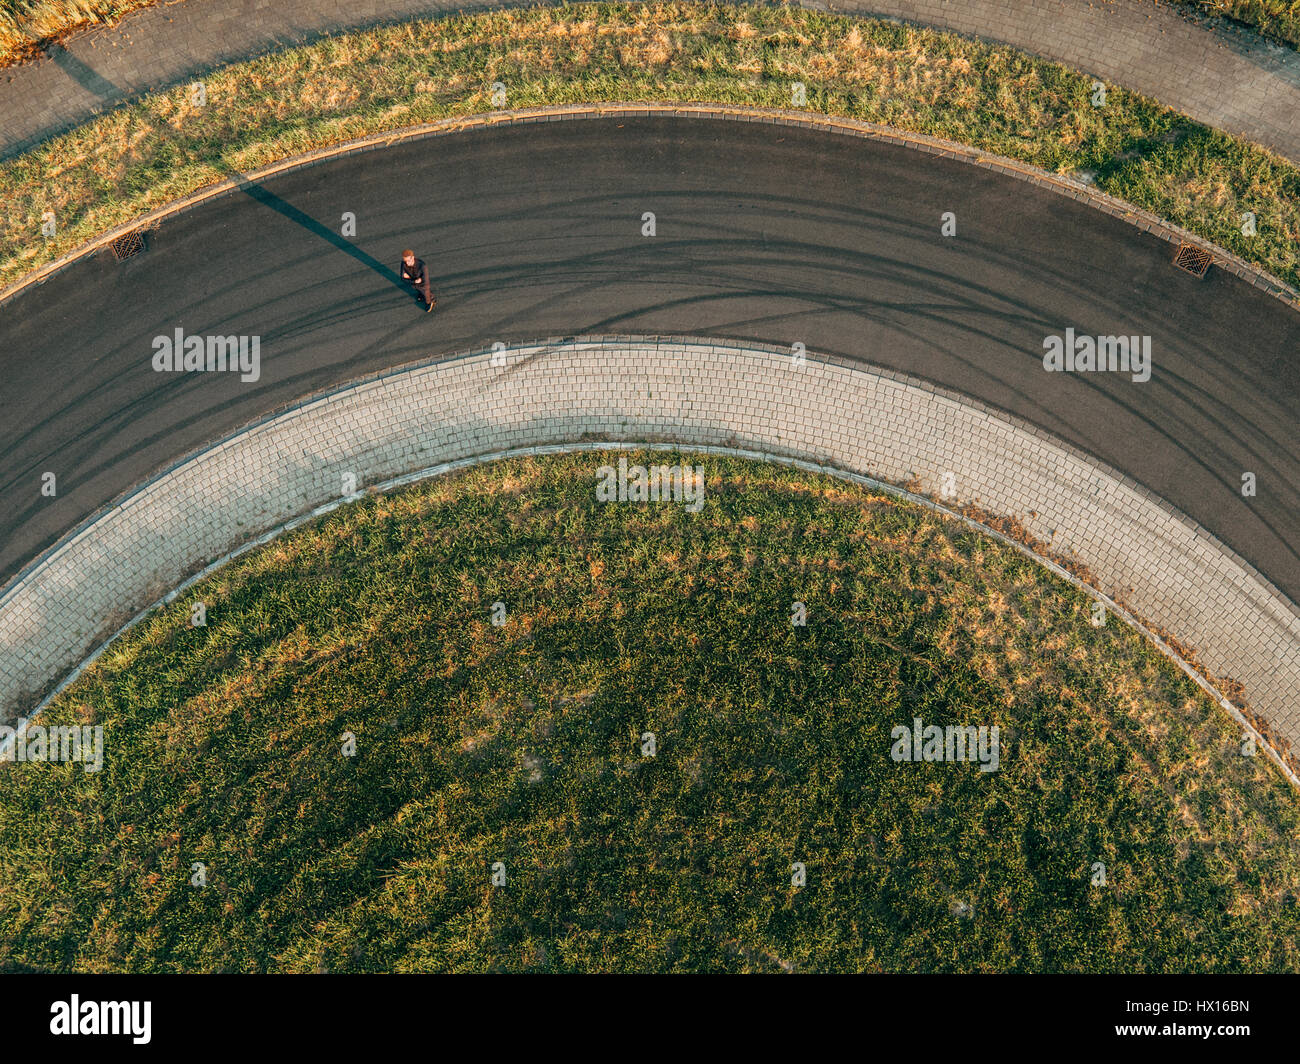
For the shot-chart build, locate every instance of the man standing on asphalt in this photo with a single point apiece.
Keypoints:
(413, 272)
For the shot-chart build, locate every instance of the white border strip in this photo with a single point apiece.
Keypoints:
(407, 479)
(705, 393)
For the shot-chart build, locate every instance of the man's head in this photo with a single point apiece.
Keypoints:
(408, 257)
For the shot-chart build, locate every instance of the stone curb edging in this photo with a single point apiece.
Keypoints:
(1117, 208)
(409, 479)
(832, 413)
(1150, 497)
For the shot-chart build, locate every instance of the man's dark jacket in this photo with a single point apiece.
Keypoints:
(415, 274)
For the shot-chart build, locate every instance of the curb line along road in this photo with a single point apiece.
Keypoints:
(1144, 220)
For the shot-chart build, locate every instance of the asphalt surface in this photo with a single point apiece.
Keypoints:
(769, 234)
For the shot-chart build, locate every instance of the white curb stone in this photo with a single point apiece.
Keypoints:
(688, 391)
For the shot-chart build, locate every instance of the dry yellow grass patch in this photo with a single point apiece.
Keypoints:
(328, 92)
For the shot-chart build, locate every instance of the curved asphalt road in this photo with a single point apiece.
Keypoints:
(767, 233)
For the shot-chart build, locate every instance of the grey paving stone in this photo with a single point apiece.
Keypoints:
(1143, 553)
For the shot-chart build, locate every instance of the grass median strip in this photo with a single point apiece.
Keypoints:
(143, 155)
(524, 743)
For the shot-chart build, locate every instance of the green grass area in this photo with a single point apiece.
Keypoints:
(522, 743)
(141, 156)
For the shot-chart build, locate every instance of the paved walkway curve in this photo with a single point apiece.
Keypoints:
(1235, 82)
(691, 391)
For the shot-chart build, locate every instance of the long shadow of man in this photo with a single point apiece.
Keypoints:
(300, 217)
